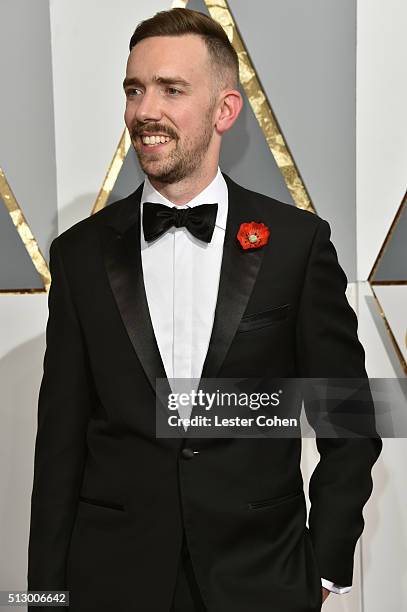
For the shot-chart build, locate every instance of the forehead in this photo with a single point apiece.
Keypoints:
(187, 55)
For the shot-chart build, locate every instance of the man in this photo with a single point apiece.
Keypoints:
(124, 519)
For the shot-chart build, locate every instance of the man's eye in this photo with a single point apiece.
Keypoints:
(131, 92)
(172, 90)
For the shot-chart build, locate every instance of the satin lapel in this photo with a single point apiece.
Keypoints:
(122, 257)
(238, 275)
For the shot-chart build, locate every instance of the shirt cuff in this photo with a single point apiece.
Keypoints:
(335, 588)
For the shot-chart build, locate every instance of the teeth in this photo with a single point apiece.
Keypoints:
(152, 140)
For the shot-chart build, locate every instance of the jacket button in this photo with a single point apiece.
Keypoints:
(187, 453)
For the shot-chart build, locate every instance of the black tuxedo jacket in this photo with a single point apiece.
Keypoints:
(110, 500)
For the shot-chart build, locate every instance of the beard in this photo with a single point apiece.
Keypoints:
(181, 161)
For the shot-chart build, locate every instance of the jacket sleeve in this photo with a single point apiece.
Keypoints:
(64, 402)
(328, 347)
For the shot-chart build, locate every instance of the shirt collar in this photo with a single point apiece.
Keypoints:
(216, 191)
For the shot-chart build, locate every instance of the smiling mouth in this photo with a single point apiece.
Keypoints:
(153, 142)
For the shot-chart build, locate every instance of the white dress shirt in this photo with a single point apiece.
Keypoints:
(181, 278)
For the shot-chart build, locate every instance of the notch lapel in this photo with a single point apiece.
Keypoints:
(122, 258)
(239, 270)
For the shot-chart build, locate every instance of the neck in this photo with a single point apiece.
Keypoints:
(185, 190)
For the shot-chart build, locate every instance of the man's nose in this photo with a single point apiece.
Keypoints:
(149, 107)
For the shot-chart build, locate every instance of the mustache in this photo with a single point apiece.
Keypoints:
(155, 128)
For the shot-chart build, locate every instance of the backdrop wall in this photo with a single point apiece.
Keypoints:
(333, 75)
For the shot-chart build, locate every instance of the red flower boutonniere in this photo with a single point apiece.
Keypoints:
(253, 235)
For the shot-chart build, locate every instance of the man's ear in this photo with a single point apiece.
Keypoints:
(228, 111)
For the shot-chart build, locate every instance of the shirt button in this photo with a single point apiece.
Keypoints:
(187, 453)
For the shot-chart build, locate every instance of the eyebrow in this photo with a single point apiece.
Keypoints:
(176, 80)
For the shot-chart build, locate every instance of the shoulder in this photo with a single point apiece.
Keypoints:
(273, 211)
(85, 231)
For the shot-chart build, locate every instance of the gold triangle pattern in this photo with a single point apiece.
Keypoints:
(113, 171)
(219, 10)
(27, 238)
(374, 283)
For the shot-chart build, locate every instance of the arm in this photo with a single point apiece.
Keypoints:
(63, 408)
(328, 347)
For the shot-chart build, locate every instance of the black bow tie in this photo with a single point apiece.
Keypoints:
(199, 220)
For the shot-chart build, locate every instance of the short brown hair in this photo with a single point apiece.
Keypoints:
(179, 21)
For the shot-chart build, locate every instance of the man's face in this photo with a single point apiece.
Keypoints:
(169, 92)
